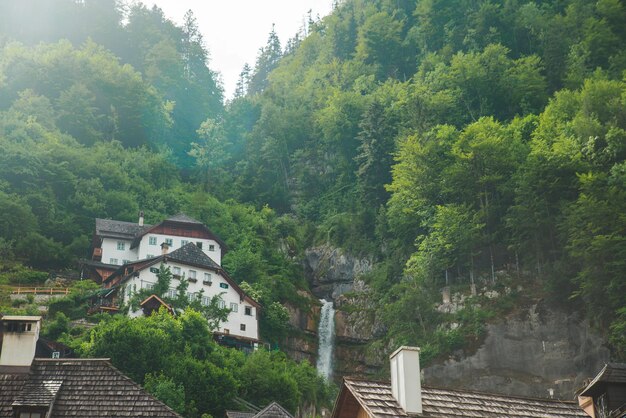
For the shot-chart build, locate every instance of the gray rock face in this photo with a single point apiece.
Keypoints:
(332, 273)
(527, 355)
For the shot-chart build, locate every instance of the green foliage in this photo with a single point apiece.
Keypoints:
(165, 390)
(191, 373)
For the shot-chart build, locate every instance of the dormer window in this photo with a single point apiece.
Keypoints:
(31, 414)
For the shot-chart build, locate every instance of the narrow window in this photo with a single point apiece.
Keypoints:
(248, 310)
(211, 247)
(205, 301)
(222, 304)
(234, 307)
(242, 327)
(207, 279)
(192, 274)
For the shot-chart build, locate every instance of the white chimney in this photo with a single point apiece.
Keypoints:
(141, 218)
(19, 340)
(406, 387)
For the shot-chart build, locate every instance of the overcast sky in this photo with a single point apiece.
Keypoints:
(234, 30)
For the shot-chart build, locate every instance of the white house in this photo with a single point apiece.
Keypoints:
(127, 257)
(116, 243)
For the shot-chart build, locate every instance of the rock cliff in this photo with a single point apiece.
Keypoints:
(528, 354)
(534, 352)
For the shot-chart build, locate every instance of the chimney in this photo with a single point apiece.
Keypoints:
(406, 387)
(141, 218)
(164, 248)
(19, 341)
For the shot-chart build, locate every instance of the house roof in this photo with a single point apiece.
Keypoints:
(189, 254)
(239, 414)
(181, 217)
(377, 400)
(273, 410)
(119, 229)
(78, 388)
(610, 373)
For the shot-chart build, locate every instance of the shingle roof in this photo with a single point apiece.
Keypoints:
(239, 414)
(119, 229)
(79, 388)
(10, 388)
(376, 398)
(191, 254)
(610, 373)
(181, 217)
(273, 410)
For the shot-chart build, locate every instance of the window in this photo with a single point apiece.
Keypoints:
(152, 241)
(30, 415)
(171, 293)
(211, 247)
(113, 261)
(125, 261)
(150, 255)
(242, 327)
(184, 242)
(248, 310)
(121, 245)
(234, 307)
(226, 331)
(199, 244)
(222, 304)
(154, 270)
(149, 286)
(207, 279)
(169, 241)
(223, 285)
(176, 271)
(191, 296)
(192, 274)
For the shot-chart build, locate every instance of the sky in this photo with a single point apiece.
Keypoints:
(234, 30)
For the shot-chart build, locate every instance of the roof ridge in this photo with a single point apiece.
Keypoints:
(475, 392)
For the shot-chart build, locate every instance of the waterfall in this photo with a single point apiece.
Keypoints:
(326, 339)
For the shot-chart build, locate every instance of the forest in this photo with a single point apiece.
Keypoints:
(455, 143)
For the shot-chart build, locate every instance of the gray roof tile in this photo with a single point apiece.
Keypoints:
(119, 229)
(84, 388)
(377, 398)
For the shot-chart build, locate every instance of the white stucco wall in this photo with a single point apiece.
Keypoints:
(110, 251)
(146, 279)
(145, 249)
